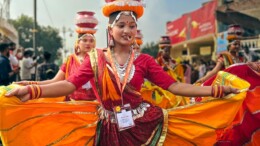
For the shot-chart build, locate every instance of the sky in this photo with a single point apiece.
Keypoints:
(62, 13)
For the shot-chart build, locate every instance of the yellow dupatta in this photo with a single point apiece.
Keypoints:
(197, 124)
(159, 97)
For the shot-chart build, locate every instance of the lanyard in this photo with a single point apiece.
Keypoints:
(128, 68)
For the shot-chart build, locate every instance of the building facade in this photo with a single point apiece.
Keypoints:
(7, 32)
(194, 35)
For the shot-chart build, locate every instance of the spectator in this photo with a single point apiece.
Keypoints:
(13, 59)
(187, 73)
(202, 68)
(33, 69)
(6, 72)
(211, 65)
(194, 73)
(48, 69)
(27, 65)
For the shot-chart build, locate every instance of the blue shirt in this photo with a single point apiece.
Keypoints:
(5, 69)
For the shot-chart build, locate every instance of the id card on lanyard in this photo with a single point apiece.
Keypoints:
(124, 117)
(123, 113)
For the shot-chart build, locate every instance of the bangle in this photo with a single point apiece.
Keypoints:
(217, 91)
(213, 91)
(222, 93)
(32, 82)
(35, 91)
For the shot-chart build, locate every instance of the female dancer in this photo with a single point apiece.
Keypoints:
(125, 118)
(228, 57)
(85, 27)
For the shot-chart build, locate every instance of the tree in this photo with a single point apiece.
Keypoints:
(24, 25)
(47, 37)
(151, 49)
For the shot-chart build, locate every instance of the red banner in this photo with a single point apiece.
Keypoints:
(192, 25)
(177, 30)
(202, 21)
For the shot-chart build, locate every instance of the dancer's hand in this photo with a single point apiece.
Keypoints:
(219, 91)
(229, 90)
(20, 92)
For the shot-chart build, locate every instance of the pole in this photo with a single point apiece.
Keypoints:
(34, 25)
(64, 42)
(64, 37)
(34, 35)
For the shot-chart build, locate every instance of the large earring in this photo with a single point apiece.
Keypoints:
(111, 43)
(135, 45)
(78, 50)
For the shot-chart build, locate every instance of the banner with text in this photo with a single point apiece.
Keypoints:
(203, 20)
(194, 24)
(177, 30)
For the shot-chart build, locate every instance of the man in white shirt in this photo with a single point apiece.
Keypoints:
(27, 65)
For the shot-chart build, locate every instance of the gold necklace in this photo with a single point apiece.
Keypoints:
(81, 59)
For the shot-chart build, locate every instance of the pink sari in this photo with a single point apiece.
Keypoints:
(69, 68)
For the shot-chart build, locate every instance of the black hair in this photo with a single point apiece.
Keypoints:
(81, 34)
(3, 47)
(47, 55)
(113, 15)
(12, 44)
(27, 53)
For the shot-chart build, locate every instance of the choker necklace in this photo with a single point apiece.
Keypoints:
(121, 69)
(81, 59)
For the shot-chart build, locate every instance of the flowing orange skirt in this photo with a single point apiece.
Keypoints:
(74, 123)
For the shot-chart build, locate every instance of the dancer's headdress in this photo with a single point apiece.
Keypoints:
(86, 22)
(113, 6)
(235, 32)
(164, 42)
(85, 25)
